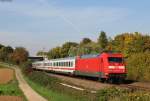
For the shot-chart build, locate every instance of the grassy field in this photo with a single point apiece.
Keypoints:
(11, 88)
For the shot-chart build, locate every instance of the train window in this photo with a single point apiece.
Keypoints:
(63, 63)
(115, 59)
(69, 64)
(49, 64)
(66, 64)
(57, 64)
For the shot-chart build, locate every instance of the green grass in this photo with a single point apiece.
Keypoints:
(11, 88)
(48, 94)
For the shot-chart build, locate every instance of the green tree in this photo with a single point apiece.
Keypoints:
(102, 40)
(41, 53)
(73, 51)
(54, 53)
(1, 46)
(138, 66)
(66, 47)
(85, 41)
(5, 52)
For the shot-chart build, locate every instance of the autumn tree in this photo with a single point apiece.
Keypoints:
(19, 55)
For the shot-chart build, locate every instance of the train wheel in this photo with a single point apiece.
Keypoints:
(110, 80)
(103, 80)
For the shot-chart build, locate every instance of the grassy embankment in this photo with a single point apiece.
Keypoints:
(11, 88)
(50, 89)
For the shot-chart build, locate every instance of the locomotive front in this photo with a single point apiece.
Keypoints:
(114, 67)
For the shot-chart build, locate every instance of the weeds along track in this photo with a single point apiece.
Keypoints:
(134, 87)
(88, 83)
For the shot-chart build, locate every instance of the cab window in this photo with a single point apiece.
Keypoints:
(115, 59)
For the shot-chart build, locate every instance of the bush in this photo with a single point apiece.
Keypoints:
(139, 66)
(26, 67)
(110, 93)
(118, 94)
(43, 79)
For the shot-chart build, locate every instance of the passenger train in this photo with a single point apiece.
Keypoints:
(105, 66)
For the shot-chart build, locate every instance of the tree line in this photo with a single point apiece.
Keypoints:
(126, 43)
(11, 55)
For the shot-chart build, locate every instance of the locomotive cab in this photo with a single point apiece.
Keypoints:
(114, 67)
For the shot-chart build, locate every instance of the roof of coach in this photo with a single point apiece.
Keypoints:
(67, 58)
(90, 56)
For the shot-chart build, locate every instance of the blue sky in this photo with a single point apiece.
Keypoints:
(39, 24)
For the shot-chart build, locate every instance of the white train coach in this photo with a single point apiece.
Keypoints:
(57, 65)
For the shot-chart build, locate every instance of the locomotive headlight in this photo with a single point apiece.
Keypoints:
(111, 67)
(121, 67)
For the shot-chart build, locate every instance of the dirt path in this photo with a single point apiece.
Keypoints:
(30, 94)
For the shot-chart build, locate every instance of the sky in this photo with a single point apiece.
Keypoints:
(44, 24)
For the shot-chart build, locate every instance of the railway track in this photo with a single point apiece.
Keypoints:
(96, 85)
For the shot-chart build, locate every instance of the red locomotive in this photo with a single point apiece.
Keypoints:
(105, 66)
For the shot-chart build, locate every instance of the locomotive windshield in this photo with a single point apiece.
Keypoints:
(115, 59)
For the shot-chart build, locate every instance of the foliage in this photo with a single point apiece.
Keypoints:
(41, 53)
(26, 67)
(5, 53)
(65, 48)
(42, 79)
(102, 40)
(118, 94)
(129, 43)
(19, 55)
(54, 53)
(85, 41)
(10, 55)
(139, 66)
